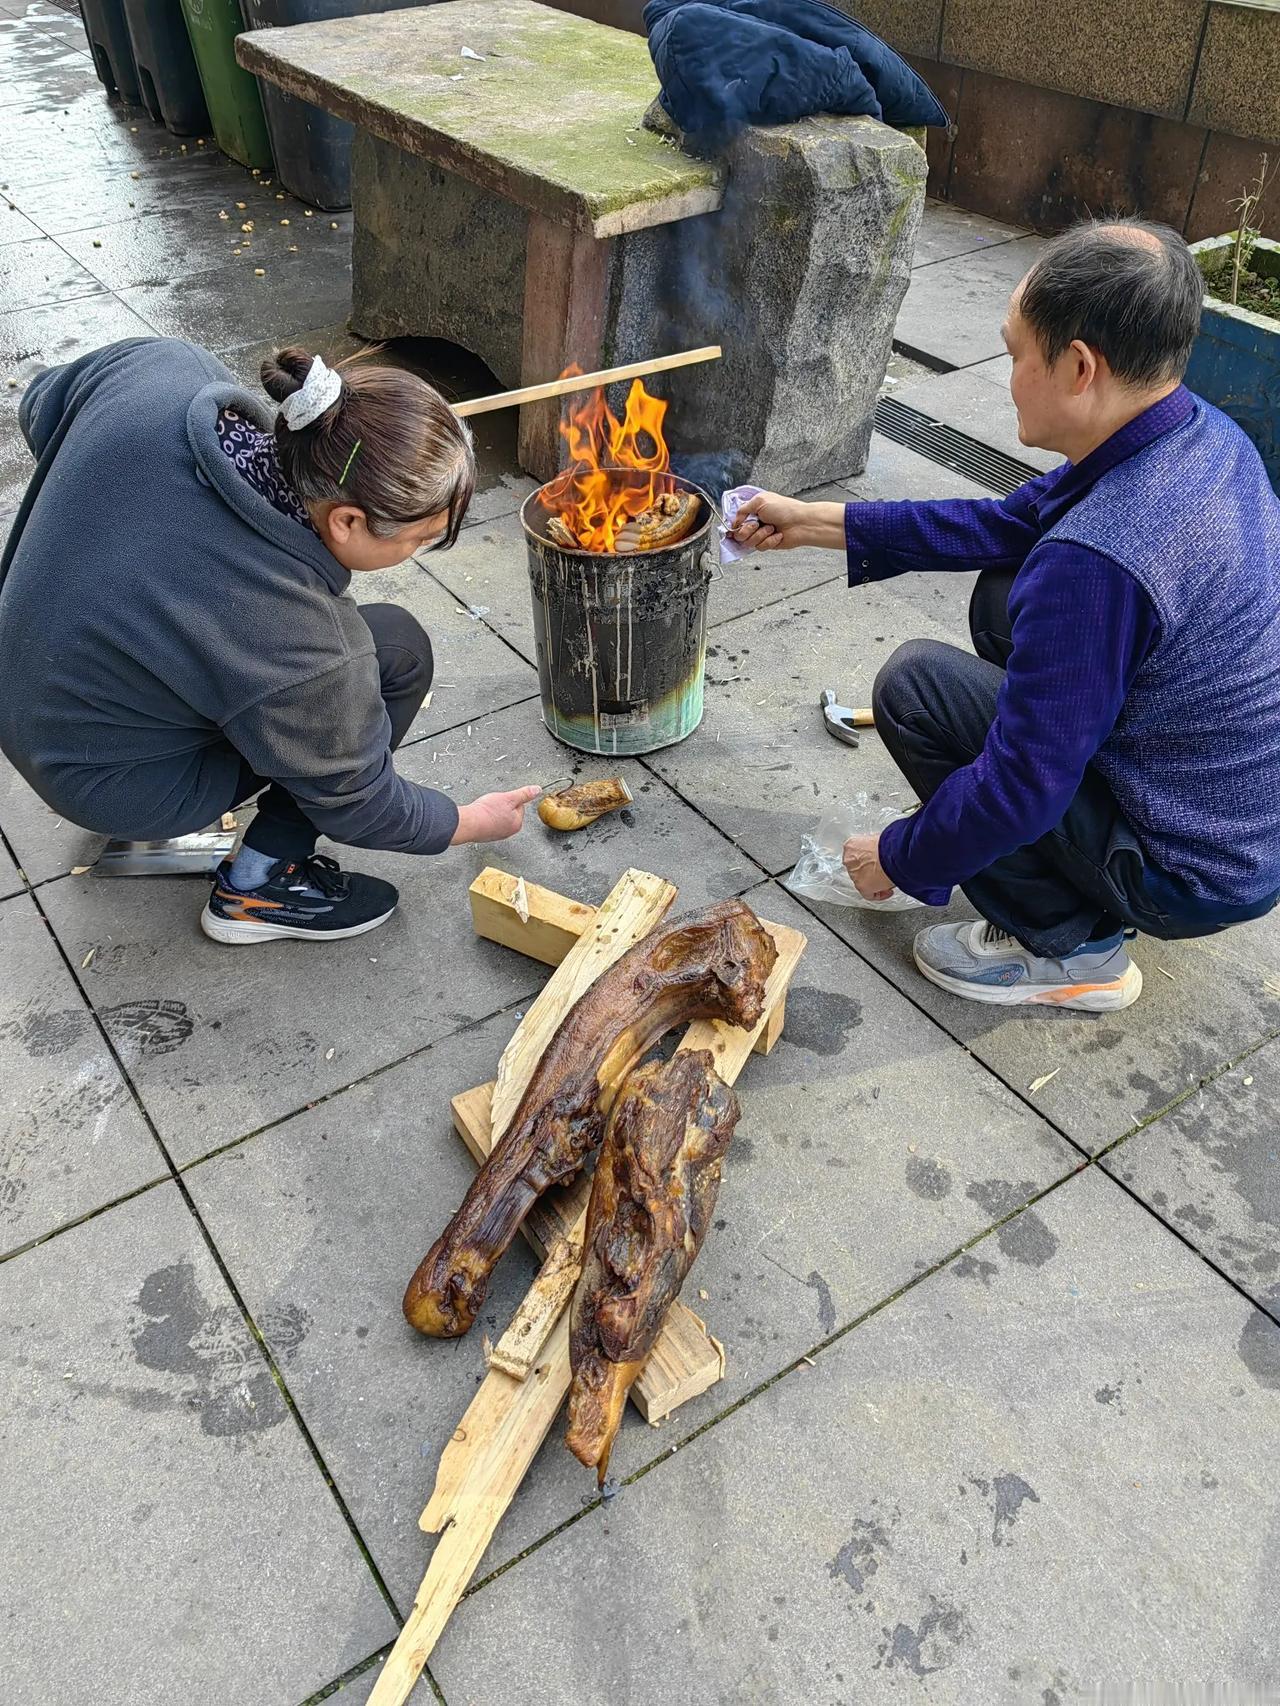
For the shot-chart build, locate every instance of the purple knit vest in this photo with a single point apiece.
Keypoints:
(1194, 758)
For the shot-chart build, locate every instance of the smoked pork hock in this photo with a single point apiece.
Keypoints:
(652, 1198)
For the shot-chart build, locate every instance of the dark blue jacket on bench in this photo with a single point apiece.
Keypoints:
(725, 64)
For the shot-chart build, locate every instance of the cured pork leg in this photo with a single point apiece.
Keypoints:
(705, 965)
(652, 1198)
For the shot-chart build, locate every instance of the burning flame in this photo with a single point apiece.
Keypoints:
(594, 502)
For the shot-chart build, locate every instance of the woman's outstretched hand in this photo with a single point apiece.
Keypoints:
(493, 817)
(774, 523)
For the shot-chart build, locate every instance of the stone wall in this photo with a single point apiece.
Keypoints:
(1161, 107)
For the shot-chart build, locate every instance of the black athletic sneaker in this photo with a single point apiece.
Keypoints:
(312, 899)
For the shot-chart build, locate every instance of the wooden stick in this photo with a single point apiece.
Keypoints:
(585, 381)
(483, 1464)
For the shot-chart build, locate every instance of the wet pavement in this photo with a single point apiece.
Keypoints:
(1000, 1292)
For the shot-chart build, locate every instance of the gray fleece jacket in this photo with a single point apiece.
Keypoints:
(160, 621)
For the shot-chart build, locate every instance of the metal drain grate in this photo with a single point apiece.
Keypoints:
(67, 6)
(951, 449)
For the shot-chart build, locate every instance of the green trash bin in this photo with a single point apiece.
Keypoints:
(231, 94)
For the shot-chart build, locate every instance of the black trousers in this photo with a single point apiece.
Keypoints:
(1081, 882)
(281, 829)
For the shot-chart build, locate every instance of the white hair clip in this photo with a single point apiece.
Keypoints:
(320, 391)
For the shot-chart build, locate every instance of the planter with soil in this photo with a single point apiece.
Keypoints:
(1235, 361)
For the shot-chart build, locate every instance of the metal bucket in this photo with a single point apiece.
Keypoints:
(621, 640)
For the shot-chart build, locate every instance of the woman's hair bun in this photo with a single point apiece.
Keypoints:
(284, 372)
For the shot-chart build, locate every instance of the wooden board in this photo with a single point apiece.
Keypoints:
(483, 1464)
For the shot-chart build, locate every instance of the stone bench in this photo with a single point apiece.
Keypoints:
(516, 204)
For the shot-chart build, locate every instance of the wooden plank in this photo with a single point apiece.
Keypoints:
(486, 1460)
(566, 298)
(635, 904)
(552, 927)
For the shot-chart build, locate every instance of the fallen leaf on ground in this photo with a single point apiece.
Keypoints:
(79, 870)
(1039, 1083)
(87, 961)
(328, 1054)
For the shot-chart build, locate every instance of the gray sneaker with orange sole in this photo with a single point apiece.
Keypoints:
(982, 963)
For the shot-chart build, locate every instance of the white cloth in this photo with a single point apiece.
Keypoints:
(730, 503)
(320, 391)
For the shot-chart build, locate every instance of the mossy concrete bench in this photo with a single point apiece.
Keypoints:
(516, 204)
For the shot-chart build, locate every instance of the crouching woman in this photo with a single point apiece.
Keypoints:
(175, 632)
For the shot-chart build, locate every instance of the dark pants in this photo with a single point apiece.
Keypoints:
(1081, 882)
(281, 829)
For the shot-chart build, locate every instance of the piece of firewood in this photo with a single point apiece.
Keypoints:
(483, 1464)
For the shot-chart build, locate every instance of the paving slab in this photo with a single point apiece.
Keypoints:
(215, 308)
(761, 767)
(170, 1536)
(894, 474)
(1211, 1168)
(848, 1109)
(1002, 1488)
(954, 309)
(947, 232)
(73, 1139)
(168, 248)
(10, 876)
(15, 227)
(1203, 1004)
(219, 1043)
(972, 404)
(39, 142)
(44, 844)
(200, 179)
(475, 671)
(35, 338)
(998, 370)
(39, 271)
(53, 84)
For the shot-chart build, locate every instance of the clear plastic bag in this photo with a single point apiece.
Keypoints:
(819, 873)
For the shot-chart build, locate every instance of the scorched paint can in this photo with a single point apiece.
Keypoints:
(621, 640)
